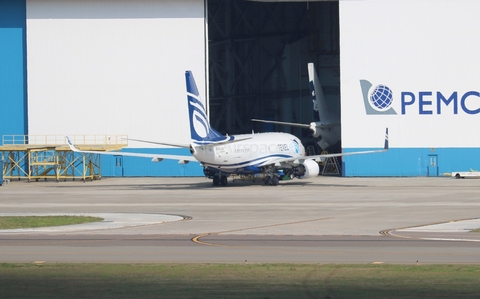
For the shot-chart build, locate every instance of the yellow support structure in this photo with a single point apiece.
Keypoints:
(38, 157)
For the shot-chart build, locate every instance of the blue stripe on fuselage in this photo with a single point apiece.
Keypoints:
(244, 164)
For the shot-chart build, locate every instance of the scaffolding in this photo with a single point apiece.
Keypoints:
(36, 157)
(330, 166)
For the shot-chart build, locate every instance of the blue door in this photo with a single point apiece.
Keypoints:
(432, 169)
(118, 166)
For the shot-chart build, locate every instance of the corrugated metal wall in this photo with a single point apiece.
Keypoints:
(13, 98)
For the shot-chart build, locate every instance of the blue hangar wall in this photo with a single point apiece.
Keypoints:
(416, 73)
(13, 96)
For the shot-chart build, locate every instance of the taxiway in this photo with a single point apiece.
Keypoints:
(325, 220)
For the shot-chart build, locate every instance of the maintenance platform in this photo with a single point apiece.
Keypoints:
(48, 156)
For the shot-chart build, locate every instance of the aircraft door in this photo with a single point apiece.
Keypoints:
(432, 168)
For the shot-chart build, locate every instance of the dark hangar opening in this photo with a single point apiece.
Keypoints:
(258, 55)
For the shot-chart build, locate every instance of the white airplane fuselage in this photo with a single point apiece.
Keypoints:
(250, 153)
(275, 155)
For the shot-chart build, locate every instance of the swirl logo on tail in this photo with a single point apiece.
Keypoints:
(200, 129)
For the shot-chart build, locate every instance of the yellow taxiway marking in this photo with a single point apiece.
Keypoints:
(389, 232)
(196, 239)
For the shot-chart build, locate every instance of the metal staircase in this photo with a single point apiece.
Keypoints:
(330, 166)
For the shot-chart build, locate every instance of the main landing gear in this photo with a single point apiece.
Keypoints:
(271, 180)
(219, 179)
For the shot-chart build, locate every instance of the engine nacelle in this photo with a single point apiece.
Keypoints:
(307, 169)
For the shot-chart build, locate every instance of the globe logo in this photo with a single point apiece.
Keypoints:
(381, 98)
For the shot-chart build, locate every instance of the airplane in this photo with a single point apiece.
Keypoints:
(246, 154)
(326, 124)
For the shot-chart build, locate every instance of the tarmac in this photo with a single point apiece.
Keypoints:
(189, 220)
(454, 230)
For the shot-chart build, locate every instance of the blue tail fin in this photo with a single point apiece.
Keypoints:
(200, 129)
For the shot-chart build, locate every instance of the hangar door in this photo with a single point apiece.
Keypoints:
(113, 66)
(116, 67)
(258, 56)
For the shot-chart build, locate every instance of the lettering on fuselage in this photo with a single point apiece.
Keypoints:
(239, 148)
(260, 148)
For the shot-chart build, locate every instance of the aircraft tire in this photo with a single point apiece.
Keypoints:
(223, 180)
(275, 181)
(216, 180)
(267, 180)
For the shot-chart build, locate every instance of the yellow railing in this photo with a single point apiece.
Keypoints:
(61, 139)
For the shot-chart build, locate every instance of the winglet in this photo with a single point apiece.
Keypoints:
(70, 144)
(386, 139)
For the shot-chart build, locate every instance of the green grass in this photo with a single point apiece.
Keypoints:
(13, 222)
(238, 281)
(475, 230)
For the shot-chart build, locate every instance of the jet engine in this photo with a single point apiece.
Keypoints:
(307, 169)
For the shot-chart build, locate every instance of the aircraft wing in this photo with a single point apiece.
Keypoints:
(320, 157)
(154, 157)
(161, 143)
(298, 160)
(229, 141)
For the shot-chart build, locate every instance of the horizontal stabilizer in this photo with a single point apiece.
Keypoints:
(282, 123)
(321, 125)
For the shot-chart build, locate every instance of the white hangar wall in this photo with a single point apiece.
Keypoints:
(116, 67)
(426, 53)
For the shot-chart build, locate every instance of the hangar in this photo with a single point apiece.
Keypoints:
(116, 67)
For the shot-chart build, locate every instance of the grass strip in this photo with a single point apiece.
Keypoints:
(260, 281)
(14, 222)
